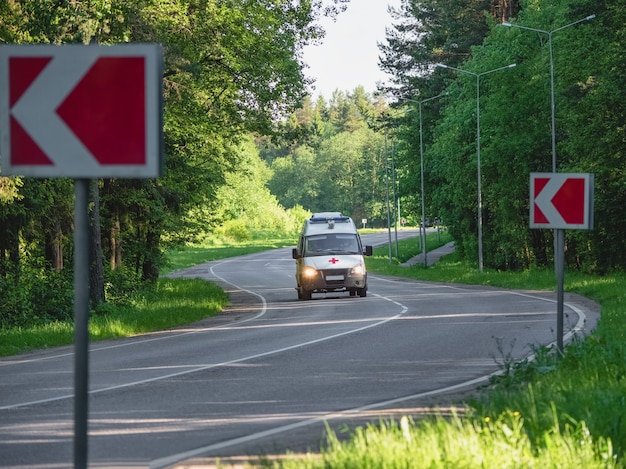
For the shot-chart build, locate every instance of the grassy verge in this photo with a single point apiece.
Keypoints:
(463, 443)
(174, 302)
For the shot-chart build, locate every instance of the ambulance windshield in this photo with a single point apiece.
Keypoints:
(324, 244)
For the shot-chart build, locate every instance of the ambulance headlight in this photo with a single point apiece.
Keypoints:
(309, 272)
(358, 270)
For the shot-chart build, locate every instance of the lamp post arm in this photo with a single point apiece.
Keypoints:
(423, 100)
(552, 100)
(474, 73)
(587, 18)
(511, 25)
(454, 68)
(496, 69)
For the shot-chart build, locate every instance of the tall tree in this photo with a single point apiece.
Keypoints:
(426, 32)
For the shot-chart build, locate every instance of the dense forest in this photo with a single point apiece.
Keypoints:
(232, 71)
(247, 150)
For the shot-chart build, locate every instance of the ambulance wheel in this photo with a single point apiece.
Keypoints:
(362, 292)
(353, 292)
(304, 294)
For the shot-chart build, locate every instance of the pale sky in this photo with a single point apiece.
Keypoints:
(348, 56)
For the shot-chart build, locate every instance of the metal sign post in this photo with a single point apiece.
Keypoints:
(560, 201)
(81, 320)
(559, 262)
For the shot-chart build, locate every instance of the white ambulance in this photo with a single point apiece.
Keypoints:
(329, 257)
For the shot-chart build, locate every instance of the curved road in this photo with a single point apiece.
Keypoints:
(265, 375)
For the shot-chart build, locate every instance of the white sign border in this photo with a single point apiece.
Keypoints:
(561, 178)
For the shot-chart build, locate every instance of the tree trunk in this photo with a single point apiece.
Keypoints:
(53, 247)
(504, 10)
(10, 248)
(116, 243)
(56, 247)
(150, 266)
(96, 271)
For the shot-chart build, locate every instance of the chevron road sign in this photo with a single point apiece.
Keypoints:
(81, 111)
(561, 200)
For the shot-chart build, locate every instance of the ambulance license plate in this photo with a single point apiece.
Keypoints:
(334, 277)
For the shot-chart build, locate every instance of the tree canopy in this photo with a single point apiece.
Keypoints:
(515, 123)
(232, 68)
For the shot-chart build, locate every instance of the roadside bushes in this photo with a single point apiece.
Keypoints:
(33, 295)
(267, 223)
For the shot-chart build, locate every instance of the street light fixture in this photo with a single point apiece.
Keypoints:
(423, 228)
(549, 33)
(480, 201)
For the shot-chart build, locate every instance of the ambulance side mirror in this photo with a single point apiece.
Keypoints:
(295, 254)
(368, 250)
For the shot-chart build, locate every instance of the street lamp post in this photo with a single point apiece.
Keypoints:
(480, 201)
(549, 33)
(396, 195)
(423, 228)
(559, 234)
(387, 187)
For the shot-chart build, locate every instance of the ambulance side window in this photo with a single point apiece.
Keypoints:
(313, 245)
(348, 243)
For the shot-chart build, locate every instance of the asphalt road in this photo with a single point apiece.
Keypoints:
(264, 376)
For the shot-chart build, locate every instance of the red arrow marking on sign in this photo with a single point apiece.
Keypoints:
(22, 72)
(106, 110)
(540, 183)
(567, 201)
(23, 149)
(35, 112)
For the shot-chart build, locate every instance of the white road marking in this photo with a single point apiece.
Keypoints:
(226, 363)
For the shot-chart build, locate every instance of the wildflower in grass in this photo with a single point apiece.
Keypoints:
(405, 425)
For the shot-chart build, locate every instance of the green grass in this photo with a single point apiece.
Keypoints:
(174, 302)
(456, 443)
